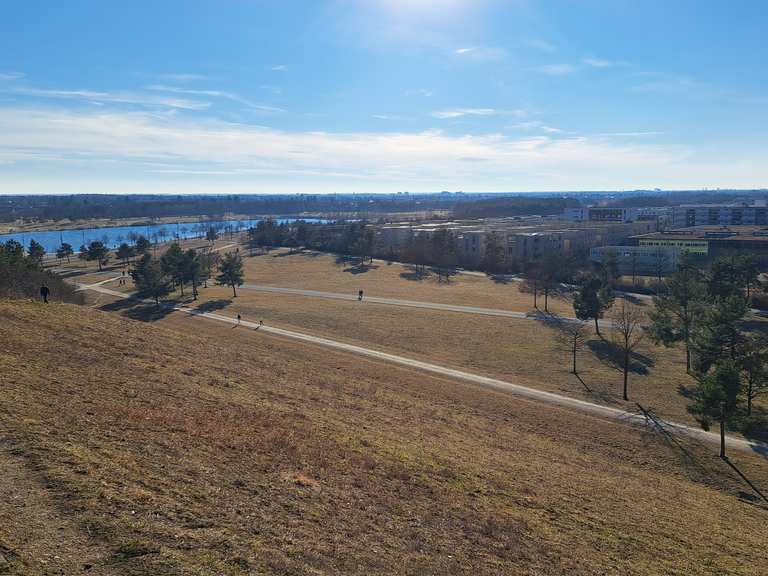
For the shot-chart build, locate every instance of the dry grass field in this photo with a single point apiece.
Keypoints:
(319, 271)
(189, 447)
(521, 351)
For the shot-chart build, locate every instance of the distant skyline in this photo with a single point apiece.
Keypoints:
(244, 96)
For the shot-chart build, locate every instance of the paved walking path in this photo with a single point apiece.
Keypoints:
(417, 304)
(531, 393)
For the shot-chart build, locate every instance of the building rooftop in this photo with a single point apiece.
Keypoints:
(735, 233)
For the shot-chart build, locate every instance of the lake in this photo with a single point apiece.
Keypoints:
(113, 236)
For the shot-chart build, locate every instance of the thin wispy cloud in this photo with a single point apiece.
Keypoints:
(7, 76)
(541, 45)
(536, 125)
(386, 117)
(419, 92)
(480, 52)
(630, 134)
(214, 94)
(557, 69)
(459, 112)
(272, 88)
(145, 141)
(181, 77)
(98, 97)
(669, 84)
(598, 62)
(279, 68)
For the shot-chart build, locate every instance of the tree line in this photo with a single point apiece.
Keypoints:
(156, 278)
(22, 274)
(703, 311)
(111, 206)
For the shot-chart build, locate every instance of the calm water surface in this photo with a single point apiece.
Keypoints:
(115, 235)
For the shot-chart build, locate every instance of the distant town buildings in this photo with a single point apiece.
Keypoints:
(522, 238)
(702, 244)
(638, 260)
(612, 214)
(719, 215)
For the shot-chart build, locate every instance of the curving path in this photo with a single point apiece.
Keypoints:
(530, 393)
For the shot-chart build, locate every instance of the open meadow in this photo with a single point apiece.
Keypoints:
(523, 351)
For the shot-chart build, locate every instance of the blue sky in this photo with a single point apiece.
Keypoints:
(239, 96)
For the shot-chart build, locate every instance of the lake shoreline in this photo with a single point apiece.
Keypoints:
(156, 232)
(63, 225)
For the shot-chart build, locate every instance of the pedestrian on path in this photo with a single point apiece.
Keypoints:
(360, 295)
(44, 293)
(238, 319)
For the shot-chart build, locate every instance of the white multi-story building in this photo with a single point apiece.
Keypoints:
(719, 215)
(608, 214)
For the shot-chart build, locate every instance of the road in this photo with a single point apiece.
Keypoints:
(416, 304)
(598, 410)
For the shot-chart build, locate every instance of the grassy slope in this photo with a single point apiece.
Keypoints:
(180, 449)
(521, 351)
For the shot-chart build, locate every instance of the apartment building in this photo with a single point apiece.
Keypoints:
(523, 240)
(719, 215)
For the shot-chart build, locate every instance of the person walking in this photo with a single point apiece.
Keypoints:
(238, 319)
(360, 295)
(44, 293)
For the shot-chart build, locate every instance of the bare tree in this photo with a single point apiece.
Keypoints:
(572, 337)
(627, 334)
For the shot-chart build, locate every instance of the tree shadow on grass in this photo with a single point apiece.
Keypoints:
(295, 252)
(444, 274)
(213, 305)
(342, 259)
(755, 427)
(140, 310)
(360, 268)
(612, 355)
(686, 391)
(659, 428)
(415, 273)
(702, 470)
(501, 278)
(149, 312)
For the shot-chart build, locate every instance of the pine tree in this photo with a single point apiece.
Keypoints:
(754, 366)
(718, 335)
(231, 272)
(125, 252)
(142, 245)
(64, 251)
(150, 280)
(36, 252)
(592, 299)
(677, 311)
(716, 398)
(98, 251)
(172, 264)
(191, 270)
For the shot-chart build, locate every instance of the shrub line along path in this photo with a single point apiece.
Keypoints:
(530, 393)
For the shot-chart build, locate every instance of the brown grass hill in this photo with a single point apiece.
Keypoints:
(190, 448)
